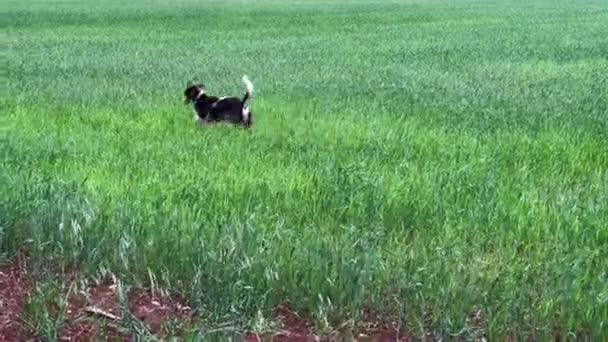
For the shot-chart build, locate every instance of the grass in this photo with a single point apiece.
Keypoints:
(426, 159)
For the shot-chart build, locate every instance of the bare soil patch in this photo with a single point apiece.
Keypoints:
(14, 289)
(96, 313)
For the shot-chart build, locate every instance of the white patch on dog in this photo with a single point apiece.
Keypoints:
(248, 84)
(246, 114)
(200, 93)
(196, 117)
(214, 104)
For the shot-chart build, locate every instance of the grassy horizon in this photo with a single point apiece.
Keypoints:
(425, 159)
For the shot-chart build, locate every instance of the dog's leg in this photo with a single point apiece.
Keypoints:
(245, 111)
(197, 119)
(195, 115)
(246, 115)
(202, 121)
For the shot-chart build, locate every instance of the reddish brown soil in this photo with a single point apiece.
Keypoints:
(94, 314)
(101, 297)
(101, 301)
(14, 289)
(156, 310)
(299, 329)
(294, 328)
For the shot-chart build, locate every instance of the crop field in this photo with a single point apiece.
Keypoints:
(439, 165)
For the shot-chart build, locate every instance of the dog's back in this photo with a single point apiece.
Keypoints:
(226, 109)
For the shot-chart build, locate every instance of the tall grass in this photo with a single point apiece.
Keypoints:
(426, 159)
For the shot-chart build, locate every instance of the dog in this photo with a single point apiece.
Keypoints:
(213, 109)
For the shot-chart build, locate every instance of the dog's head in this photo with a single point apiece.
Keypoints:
(192, 92)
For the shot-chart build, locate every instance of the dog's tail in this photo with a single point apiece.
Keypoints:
(248, 94)
(248, 89)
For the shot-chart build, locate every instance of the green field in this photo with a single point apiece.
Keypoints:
(425, 159)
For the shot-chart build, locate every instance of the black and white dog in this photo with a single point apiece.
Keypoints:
(212, 109)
